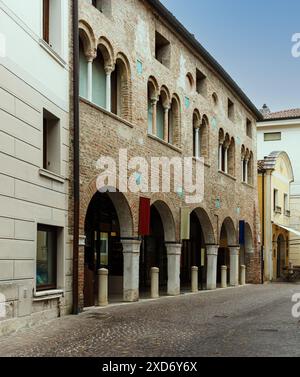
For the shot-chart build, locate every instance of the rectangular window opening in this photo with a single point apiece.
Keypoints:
(51, 143)
(230, 110)
(201, 86)
(162, 49)
(272, 136)
(46, 259)
(249, 128)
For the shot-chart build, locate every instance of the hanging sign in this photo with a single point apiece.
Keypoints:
(144, 217)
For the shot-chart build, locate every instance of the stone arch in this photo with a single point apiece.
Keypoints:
(207, 228)
(231, 157)
(153, 88)
(215, 98)
(107, 51)
(165, 96)
(204, 137)
(121, 87)
(175, 121)
(190, 83)
(167, 220)
(87, 37)
(229, 229)
(121, 200)
(221, 136)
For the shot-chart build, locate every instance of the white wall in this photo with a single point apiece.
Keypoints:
(290, 143)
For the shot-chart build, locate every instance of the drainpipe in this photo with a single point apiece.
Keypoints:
(76, 154)
(263, 228)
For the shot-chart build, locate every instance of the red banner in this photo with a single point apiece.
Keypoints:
(144, 218)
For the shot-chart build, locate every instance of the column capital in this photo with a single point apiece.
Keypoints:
(234, 250)
(131, 246)
(153, 100)
(167, 108)
(91, 54)
(212, 249)
(173, 248)
(109, 69)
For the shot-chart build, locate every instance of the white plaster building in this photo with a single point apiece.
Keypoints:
(35, 262)
(280, 131)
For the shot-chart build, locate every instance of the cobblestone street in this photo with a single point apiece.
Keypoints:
(246, 321)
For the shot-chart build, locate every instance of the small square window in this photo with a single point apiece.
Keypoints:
(162, 49)
(51, 143)
(272, 136)
(103, 6)
(201, 86)
(230, 110)
(46, 258)
(249, 128)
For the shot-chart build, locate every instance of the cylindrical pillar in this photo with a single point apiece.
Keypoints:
(166, 124)
(220, 156)
(197, 149)
(195, 270)
(243, 275)
(154, 115)
(174, 253)
(108, 71)
(226, 160)
(223, 276)
(131, 265)
(154, 282)
(103, 287)
(234, 265)
(212, 258)
(90, 80)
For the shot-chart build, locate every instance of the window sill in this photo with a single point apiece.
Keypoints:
(248, 185)
(52, 53)
(171, 146)
(110, 114)
(48, 295)
(207, 164)
(227, 175)
(50, 175)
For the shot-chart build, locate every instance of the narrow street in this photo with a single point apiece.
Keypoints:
(245, 321)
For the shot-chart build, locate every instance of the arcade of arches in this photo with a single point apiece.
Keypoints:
(110, 243)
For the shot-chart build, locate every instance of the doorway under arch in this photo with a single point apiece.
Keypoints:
(108, 218)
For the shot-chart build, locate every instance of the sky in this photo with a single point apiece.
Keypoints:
(252, 40)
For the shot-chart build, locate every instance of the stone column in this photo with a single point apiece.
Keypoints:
(243, 275)
(102, 287)
(234, 265)
(154, 282)
(108, 71)
(226, 160)
(246, 170)
(174, 253)
(195, 279)
(131, 253)
(223, 276)
(212, 257)
(90, 56)
(220, 156)
(166, 124)
(197, 154)
(154, 115)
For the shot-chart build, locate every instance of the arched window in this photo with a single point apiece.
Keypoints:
(243, 164)
(152, 101)
(250, 169)
(83, 71)
(231, 157)
(120, 89)
(189, 83)
(196, 134)
(204, 137)
(99, 80)
(174, 122)
(221, 150)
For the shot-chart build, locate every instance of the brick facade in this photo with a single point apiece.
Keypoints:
(127, 35)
